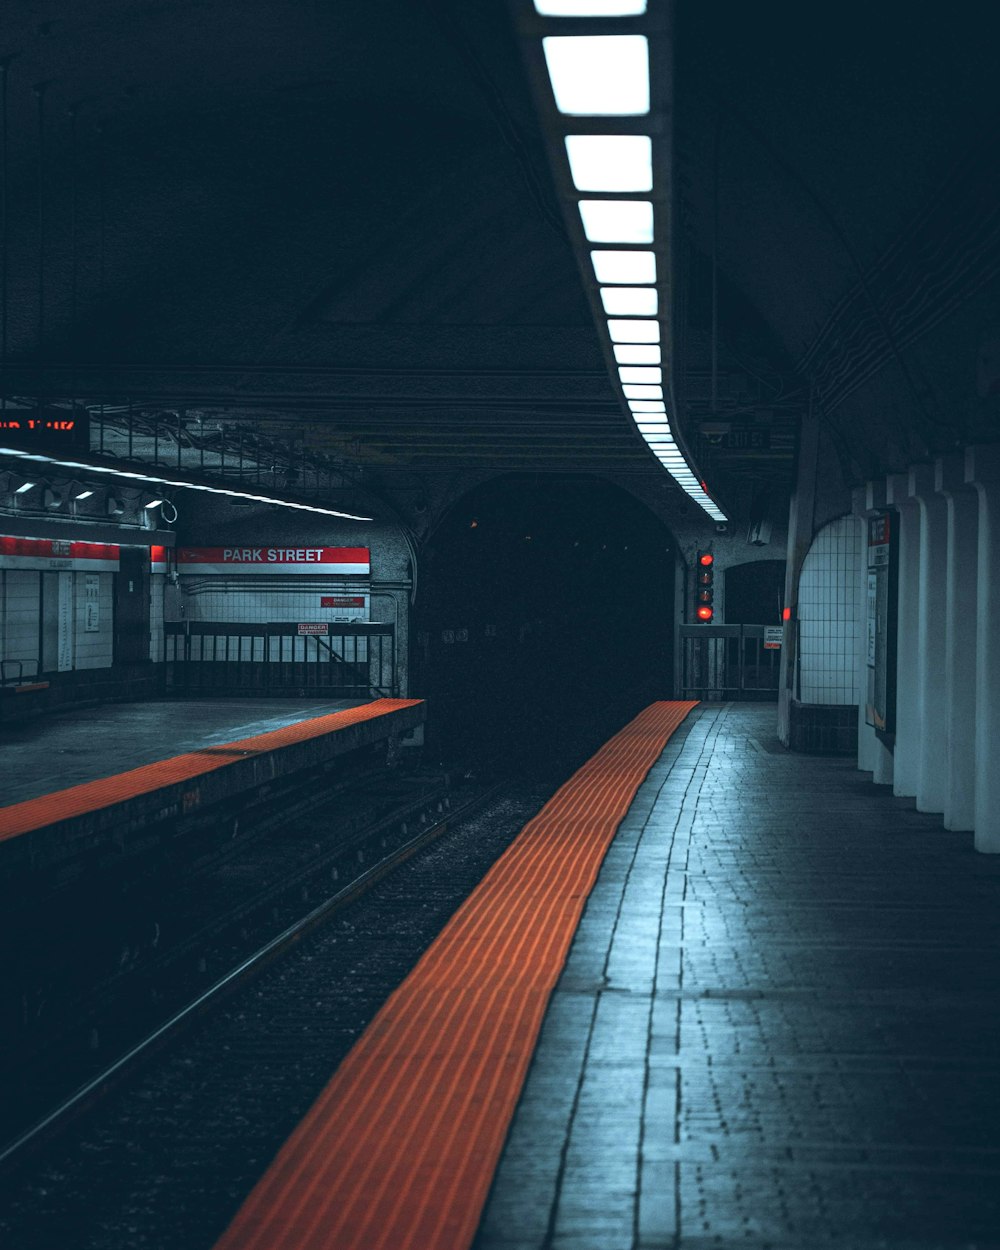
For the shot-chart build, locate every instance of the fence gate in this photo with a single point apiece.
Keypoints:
(340, 660)
(726, 662)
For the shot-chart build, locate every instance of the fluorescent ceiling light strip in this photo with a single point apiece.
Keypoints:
(642, 392)
(610, 162)
(626, 331)
(599, 75)
(624, 267)
(590, 8)
(132, 476)
(630, 301)
(647, 405)
(637, 353)
(617, 221)
(640, 373)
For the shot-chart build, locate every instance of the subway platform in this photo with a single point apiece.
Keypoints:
(73, 746)
(96, 788)
(777, 1026)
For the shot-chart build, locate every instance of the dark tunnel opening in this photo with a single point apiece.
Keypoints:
(543, 601)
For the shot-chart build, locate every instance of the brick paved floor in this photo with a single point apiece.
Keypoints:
(779, 1024)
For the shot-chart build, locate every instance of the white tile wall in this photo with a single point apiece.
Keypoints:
(830, 615)
(256, 600)
(94, 650)
(20, 618)
(157, 581)
(19, 604)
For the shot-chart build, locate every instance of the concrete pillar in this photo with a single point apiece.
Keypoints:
(906, 750)
(932, 774)
(866, 733)
(982, 470)
(962, 503)
(801, 513)
(881, 756)
(865, 499)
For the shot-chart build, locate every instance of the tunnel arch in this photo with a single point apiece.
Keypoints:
(541, 596)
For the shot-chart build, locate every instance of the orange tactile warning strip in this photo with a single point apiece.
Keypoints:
(48, 809)
(399, 1151)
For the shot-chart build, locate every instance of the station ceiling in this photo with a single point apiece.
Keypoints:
(342, 218)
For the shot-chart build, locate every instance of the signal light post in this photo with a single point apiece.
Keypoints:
(704, 577)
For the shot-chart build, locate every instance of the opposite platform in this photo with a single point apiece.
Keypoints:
(59, 826)
(70, 746)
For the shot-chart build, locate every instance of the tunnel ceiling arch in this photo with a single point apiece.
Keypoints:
(340, 220)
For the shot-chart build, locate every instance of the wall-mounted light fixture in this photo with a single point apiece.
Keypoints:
(132, 476)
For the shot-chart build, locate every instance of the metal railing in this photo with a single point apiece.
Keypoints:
(726, 662)
(355, 660)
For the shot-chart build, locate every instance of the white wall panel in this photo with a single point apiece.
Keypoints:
(830, 615)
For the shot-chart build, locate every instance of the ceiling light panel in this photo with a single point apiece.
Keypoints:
(647, 405)
(634, 331)
(640, 373)
(610, 162)
(599, 75)
(637, 354)
(629, 301)
(643, 392)
(590, 8)
(625, 268)
(617, 221)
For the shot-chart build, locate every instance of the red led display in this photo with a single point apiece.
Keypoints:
(46, 429)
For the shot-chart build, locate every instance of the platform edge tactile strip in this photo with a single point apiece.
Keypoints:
(34, 814)
(399, 1150)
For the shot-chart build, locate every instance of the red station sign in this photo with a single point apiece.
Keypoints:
(58, 553)
(274, 559)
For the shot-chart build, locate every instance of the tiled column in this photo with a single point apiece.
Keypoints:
(906, 751)
(982, 470)
(932, 775)
(962, 504)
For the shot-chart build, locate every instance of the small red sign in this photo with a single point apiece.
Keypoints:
(342, 601)
(313, 627)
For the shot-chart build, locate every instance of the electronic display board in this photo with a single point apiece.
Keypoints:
(44, 429)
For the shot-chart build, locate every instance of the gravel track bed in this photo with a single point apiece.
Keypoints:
(166, 1161)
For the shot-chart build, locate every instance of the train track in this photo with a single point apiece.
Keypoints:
(361, 859)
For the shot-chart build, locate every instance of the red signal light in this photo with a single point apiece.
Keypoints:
(706, 558)
(705, 613)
